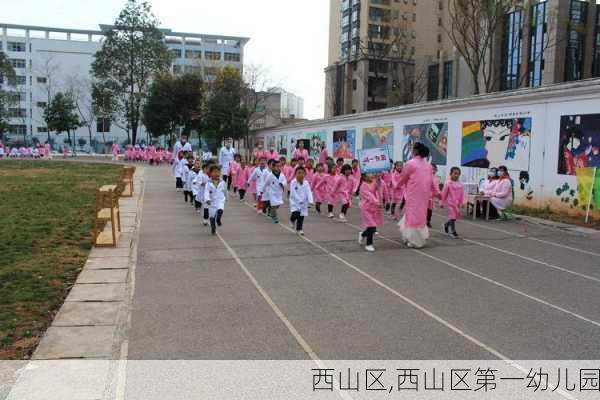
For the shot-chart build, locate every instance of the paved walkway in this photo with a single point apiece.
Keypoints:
(517, 290)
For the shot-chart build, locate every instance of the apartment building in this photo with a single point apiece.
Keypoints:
(277, 107)
(48, 60)
(538, 43)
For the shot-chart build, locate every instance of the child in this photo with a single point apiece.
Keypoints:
(356, 174)
(300, 197)
(453, 196)
(192, 177)
(319, 187)
(234, 167)
(310, 170)
(257, 179)
(288, 170)
(434, 194)
(240, 178)
(265, 194)
(397, 191)
(215, 197)
(251, 186)
(275, 185)
(333, 182)
(201, 182)
(185, 177)
(178, 170)
(339, 163)
(346, 188)
(371, 209)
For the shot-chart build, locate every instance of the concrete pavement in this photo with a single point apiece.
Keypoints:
(518, 290)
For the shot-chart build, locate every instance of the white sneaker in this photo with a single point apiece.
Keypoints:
(370, 249)
(361, 239)
(205, 222)
(301, 233)
(343, 218)
(331, 215)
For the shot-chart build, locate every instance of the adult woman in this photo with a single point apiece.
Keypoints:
(486, 188)
(300, 152)
(417, 178)
(501, 196)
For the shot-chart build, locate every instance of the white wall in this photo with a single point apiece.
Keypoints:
(544, 106)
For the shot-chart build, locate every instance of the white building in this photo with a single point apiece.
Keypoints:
(49, 60)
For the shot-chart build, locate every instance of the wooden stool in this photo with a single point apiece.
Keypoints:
(127, 179)
(107, 224)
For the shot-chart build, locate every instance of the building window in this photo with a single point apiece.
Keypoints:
(354, 84)
(41, 79)
(16, 46)
(193, 54)
(235, 57)
(18, 129)
(575, 40)
(103, 125)
(41, 104)
(538, 43)
(17, 112)
(596, 63)
(21, 80)
(193, 69)
(433, 81)
(175, 53)
(513, 47)
(42, 129)
(17, 63)
(212, 55)
(447, 88)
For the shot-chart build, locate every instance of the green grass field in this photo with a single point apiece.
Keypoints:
(46, 215)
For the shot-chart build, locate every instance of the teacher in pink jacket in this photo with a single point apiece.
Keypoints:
(417, 179)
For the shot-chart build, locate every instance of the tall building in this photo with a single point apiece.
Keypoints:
(277, 107)
(384, 53)
(48, 60)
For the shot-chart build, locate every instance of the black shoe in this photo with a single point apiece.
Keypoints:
(429, 224)
(219, 223)
(446, 228)
(455, 235)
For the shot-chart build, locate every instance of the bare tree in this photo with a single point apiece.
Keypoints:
(48, 71)
(80, 88)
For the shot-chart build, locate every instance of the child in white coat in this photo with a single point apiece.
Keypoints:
(193, 178)
(275, 184)
(201, 182)
(215, 196)
(300, 198)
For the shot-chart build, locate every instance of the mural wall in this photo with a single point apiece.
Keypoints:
(316, 141)
(282, 145)
(551, 147)
(434, 136)
(344, 144)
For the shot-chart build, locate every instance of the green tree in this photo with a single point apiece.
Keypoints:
(174, 101)
(132, 53)
(7, 98)
(226, 114)
(61, 115)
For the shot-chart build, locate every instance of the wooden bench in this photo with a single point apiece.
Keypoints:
(107, 224)
(127, 180)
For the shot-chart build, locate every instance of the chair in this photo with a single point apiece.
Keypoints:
(107, 224)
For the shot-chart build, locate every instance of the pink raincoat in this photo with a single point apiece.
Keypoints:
(371, 210)
(346, 189)
(417, 176)
(453, 197)
(241, 177)
(300, 153)
(332, 190)
(502, 194)
(397, 188)
(319, 187)
(435, 192)
(252, 188)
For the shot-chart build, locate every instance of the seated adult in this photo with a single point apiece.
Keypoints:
(501, 197)
(486, 188)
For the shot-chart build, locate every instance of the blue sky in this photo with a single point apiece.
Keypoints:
(288, 37)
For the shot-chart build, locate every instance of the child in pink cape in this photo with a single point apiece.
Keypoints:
(252, 186)
(287, 169)
(319, 187)
(345, 190)
(397, 191)
(240, 179)
(234, 167)
(332, 190)
(453, 197)
(371, 209)
(417, 178)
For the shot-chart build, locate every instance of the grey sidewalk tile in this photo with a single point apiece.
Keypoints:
(98, 292)
(87, 314)
(76, 342)
(107, 263)
(109, 252)
(103, 276)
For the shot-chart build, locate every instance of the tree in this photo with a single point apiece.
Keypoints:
(226, 116)
(61, 115)
(132, 53)
(7, 98)
(48, 69)
(80, 88)
(473, 31)
(174, 101)
(107, 107)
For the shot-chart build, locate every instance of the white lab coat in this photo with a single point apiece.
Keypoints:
(185, 177)
(217, 195)
(200, 182)
(225, 157)
(191, 181)
(276, 188)
(178, 172)
(261, 187)
(300, 197)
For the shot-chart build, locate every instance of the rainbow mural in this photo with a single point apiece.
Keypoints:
(473, 143)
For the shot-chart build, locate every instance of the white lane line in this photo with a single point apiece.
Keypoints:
(301, 341)
(494, 282)
(518, 235)
(414, 304)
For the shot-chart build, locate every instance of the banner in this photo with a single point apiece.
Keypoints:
(585, 180)
(374, 160)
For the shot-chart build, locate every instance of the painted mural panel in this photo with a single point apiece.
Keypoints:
(378, 137)
(579, 145)
(316, 141)
(434, 136)
(344, 143)
(292, 141)
(491, 143)
(271, 142)
(282, 145)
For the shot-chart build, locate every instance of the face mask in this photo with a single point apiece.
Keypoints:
(491, 174)
(501, 173)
